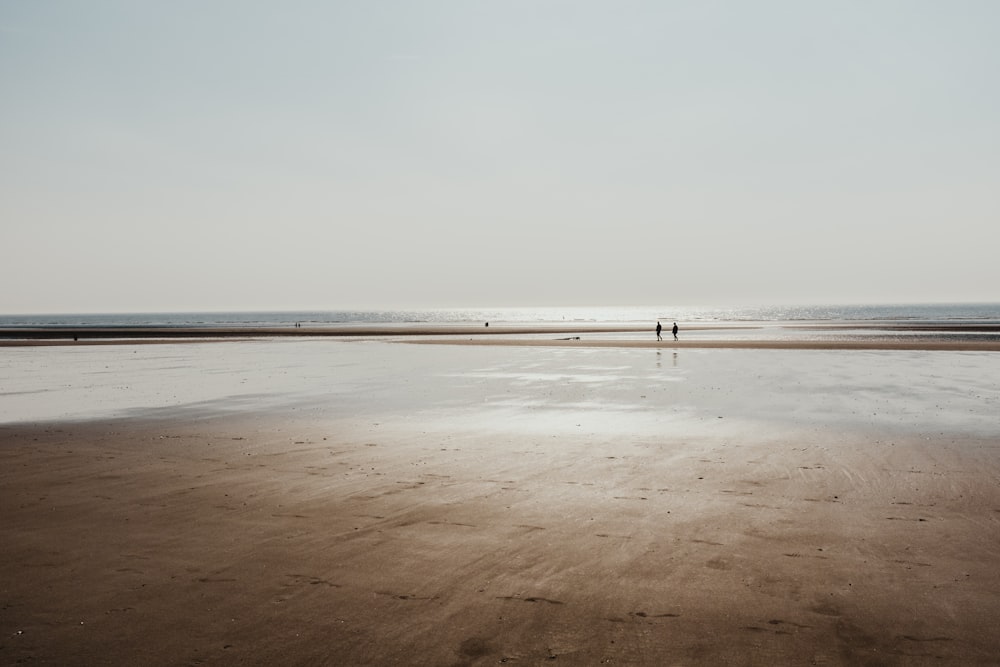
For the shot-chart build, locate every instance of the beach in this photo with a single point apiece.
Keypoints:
(505, 499)
(462, 334)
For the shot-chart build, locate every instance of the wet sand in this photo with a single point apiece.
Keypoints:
(376, 503)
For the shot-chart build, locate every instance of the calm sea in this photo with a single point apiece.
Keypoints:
(984, 313)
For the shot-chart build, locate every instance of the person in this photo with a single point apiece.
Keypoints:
(658, 330)
(675, 330)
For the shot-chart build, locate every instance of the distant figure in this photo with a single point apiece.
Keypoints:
(675, 330)
(658, 330)
(487, 325)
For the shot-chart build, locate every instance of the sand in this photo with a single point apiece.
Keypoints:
(353, 503)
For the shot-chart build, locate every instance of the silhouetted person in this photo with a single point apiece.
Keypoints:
(675, 330)
(658, 330)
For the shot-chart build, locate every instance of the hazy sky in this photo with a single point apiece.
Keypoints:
(232, 155)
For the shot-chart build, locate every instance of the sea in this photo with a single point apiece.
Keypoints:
(956, 313)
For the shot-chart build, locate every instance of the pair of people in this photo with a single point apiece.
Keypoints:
(659, 329)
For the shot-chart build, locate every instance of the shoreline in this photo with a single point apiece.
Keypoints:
(464, 329)
(955, 339)
(869, 346)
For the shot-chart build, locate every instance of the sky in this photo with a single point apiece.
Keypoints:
(240, 155)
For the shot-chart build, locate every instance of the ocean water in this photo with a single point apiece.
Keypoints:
(979, 313)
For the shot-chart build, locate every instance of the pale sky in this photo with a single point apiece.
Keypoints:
(234, 155)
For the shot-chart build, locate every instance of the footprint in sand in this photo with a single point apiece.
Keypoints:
(754, 628)
(642, 614)
(452, 523)
(529, 599)
(529, 527)
(312, 581)
(474, 647)
(825, 609)
(718, 564)
(415, 597)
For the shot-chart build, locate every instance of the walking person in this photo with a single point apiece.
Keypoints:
(658, 330)
(675, 330)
